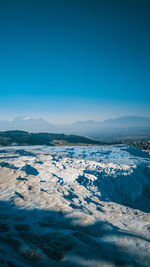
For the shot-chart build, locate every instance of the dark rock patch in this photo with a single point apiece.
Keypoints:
(53, 254)
(4, 216)
(19, 195)
(9, 166)
(31, 238)
(21, 179)
(31, 254)
(29, 170)
(21, 227)
(11, 264)
(14, 243)
(59, 241)
(4, 227)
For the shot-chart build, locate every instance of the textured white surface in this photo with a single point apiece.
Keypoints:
(103, 191)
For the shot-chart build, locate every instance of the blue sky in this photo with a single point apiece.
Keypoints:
(73, 60)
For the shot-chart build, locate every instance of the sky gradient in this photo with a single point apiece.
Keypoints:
(74, 60)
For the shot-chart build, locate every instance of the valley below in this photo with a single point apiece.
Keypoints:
(74, 206)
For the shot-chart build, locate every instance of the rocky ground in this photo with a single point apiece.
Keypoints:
(145, 146)
(74, 206)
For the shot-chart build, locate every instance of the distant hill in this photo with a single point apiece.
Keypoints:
(127, 121)
(27, 124)
(122, 128)
(9, 138)
(121, 122)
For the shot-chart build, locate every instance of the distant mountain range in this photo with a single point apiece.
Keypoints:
(27, 124)
(122, 126)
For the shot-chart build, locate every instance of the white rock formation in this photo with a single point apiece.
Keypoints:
(74, 206)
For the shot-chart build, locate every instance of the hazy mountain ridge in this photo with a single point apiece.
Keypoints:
(27, 124)
(125, 121)
(23, 122)
(112, 128)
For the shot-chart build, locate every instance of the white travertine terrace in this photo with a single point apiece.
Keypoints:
(75, 206)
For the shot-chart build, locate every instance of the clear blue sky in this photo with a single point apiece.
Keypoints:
(75, 59)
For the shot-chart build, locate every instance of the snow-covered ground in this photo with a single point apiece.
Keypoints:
(74, 206)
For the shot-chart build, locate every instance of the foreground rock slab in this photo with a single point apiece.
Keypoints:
(74, 206)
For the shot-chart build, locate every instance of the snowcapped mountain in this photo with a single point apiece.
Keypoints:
(122, 126)
(27, 124)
